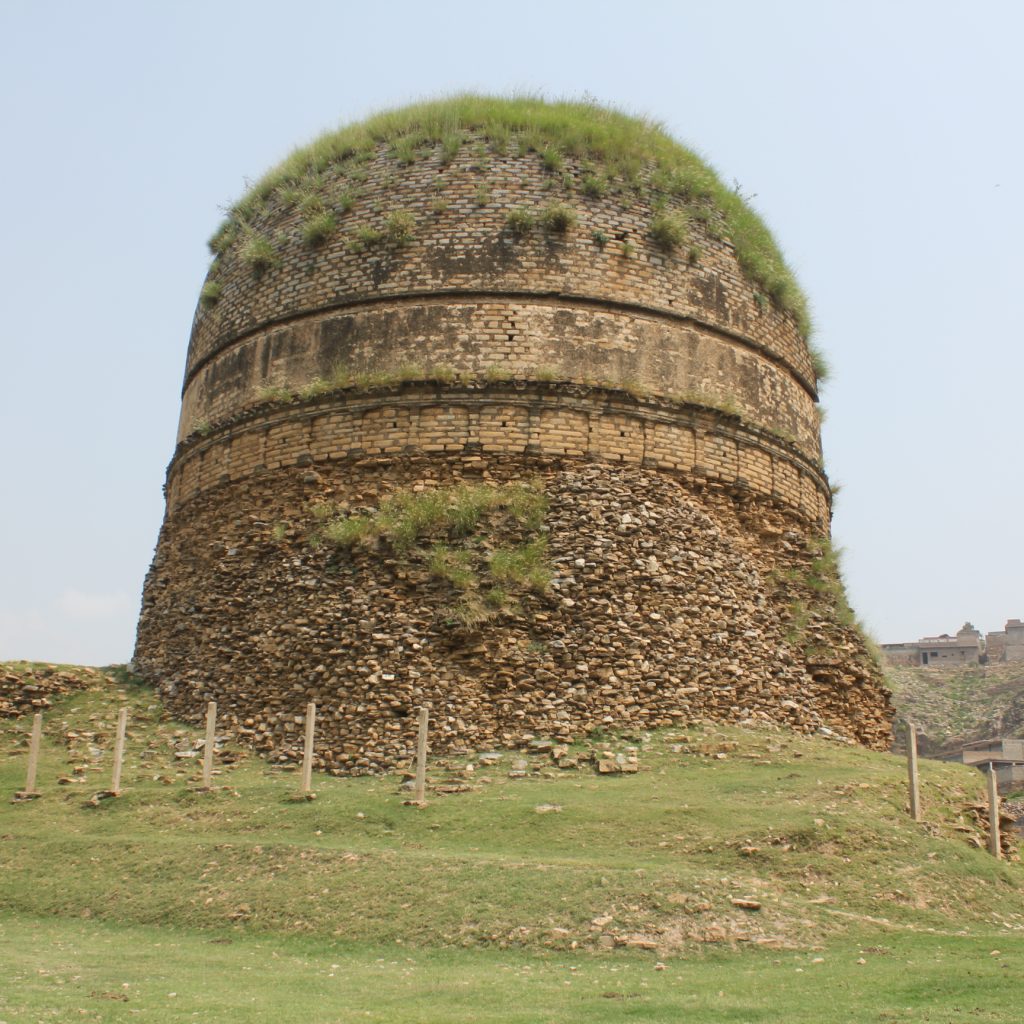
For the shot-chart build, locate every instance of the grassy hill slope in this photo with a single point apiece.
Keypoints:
(953, 706)
(503, 879)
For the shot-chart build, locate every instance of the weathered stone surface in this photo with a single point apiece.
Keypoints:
(681, 618)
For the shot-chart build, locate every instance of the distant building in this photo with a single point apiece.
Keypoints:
(1007, 645)
(963, 649)
(968, 647)
(1004, 756)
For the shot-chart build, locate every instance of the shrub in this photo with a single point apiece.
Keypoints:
(399, 227)
(210, 295)
(668, 231)
(519, 222)
(257, 252)
(318, 229)
(558, 218)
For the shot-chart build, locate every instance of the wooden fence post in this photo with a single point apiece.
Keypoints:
(307, 753)
(211, 730)
(115, 779)
(993, 811)
(421, 758)
(915, 788)
(30, 790)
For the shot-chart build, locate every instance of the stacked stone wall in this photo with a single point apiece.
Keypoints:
(666, 604)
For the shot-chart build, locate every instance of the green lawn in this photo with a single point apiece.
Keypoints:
(73, 970)
(483, 905)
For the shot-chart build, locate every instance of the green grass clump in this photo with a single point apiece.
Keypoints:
(519, 221)
(406, 516)
(257, 252)
(558, 218)
(628, 151)
(319, 228)
(668, 230)
(552, 159)
(274, 393)
(820, 363)
(210, 295)
(462, 525)
(456, 567)
(365, 238)
(399, 227)
(526, 565)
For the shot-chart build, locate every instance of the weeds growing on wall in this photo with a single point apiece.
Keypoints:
(210, 295)
(630, 155)
(520, 222)
(458, 536)
(257, 252)
(668, 231)
(319, 228)
(816, 591)
(557, 218)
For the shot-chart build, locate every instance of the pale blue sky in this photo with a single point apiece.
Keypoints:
(882, 141)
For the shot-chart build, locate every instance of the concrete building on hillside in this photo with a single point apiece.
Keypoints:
(968, 647)
(963, 649)
(1007, 644)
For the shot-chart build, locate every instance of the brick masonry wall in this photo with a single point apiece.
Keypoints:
(578, 342)
(505, 418)
(465, 291)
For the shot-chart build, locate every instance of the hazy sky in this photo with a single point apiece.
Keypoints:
(883, 143)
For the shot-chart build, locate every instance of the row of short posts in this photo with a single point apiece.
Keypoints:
(914, 784)
(30, 792)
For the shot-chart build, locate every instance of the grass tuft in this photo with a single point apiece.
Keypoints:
(319, 228)
(558, 218)
(668, 231)
(210, 295)
(257, 252)
(399, 227)
(520, 222)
